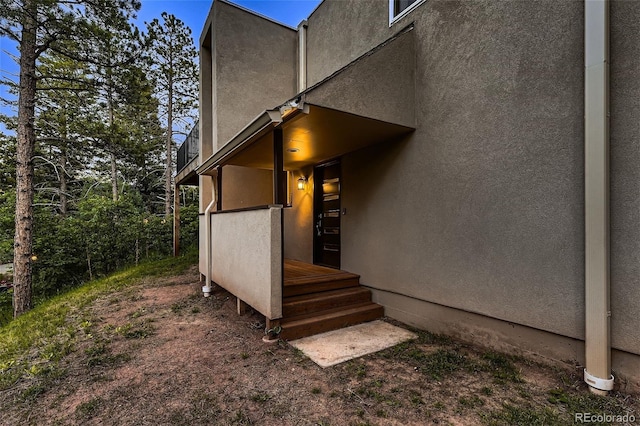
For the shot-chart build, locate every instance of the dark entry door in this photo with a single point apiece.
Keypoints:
(326, 208)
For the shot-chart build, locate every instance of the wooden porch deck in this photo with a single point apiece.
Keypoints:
(318, 299)
(302, 278)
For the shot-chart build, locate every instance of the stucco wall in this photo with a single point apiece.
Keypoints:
(246, 187)
(625, 175)
(393, 98)
(240, 55)
(340, 31)
(298, 219)
(481, 208)
(247, 257)
(255, 67)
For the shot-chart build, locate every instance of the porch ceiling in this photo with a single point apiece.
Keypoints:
(370, 100)
(317, 136)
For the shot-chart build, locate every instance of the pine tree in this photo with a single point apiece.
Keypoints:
(65, 98)
(116, 48)
(176, 76)
(39, 26)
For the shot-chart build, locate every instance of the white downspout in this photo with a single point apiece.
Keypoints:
(597, 373)
(302, 56)
(206, 290)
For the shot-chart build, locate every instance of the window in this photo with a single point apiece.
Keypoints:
(399, 8)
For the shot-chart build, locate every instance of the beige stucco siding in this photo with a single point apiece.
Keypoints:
(480, 209)
(255, 70)
(625, 175)
(298, 219)
(247, 257)
(244, 187)
(340, 31)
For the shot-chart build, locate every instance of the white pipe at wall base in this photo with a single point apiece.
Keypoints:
(597, 373)
(206, 290)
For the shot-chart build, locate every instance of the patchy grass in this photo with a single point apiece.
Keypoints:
(99, 355)
(49, 332)
(585, 402)
(136, 330)
(158, 351)
(436, 365)
(502, 367)
(202, 409)
(510, 415)
(89, 409)
(260, 396)
(473, 401)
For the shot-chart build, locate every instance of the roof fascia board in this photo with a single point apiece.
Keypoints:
(256, 127)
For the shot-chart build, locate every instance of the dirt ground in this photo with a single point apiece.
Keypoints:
(161, 354)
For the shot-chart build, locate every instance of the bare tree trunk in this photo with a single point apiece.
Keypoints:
(114, 165)
(23, 242)
(176, 221)
(63, 181)
(89, 265)
(114, 177)
(169, 147)
(63, 167)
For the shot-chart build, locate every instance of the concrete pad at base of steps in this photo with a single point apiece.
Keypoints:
(334, 347)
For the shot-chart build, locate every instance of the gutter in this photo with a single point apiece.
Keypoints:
(255, 129)
(259, 127)
(597, 373)
(302, 56)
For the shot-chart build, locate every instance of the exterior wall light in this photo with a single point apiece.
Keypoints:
(302, 183)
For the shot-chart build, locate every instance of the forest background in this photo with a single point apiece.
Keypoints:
(111, 100)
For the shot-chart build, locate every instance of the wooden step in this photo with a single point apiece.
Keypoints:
(318, 284)
(332, 319)
(309, 304)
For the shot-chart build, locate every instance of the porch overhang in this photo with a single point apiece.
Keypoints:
(369, 101)
(188, 175)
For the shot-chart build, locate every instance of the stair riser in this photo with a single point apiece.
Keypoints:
(318, 287)
(311, 306)
(316, 327)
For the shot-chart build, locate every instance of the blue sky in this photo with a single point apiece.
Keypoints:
(192, 12)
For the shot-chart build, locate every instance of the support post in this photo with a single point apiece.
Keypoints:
(241, 306)
(219, 189)
(176, 221)
(279, 175)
